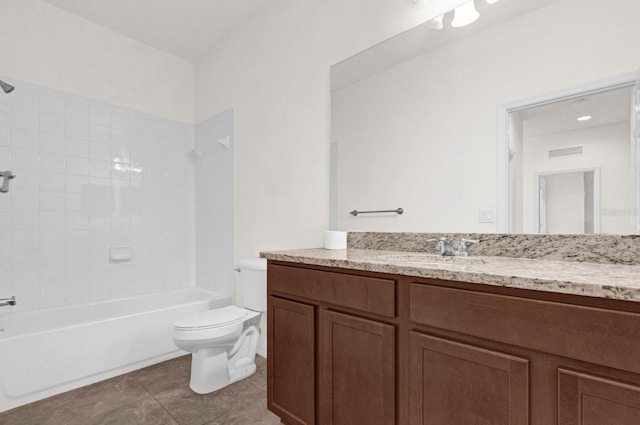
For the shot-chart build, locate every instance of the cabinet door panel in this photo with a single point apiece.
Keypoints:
(589, 400)
(291, 361)
(454, 383)
(357, 371)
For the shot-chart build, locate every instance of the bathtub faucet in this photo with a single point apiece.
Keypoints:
(7, 301)
(7, 176)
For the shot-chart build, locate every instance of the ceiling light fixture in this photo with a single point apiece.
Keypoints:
(491, 1)
(584, 118)
(464, 15)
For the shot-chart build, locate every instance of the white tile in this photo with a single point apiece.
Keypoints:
(24, 160)
(24, 199)
(98, 256)
(99, 292)
(99, 239)
(77, 147)
(52, 220)
(101, 151)
(120, 171)
(99, 221)
(77, 166)
(52, 287)
(51, 162)
(77, 109)
(77, 290)
(27, 97)
(25, 239)
(5, 219)
(120, 222)
(53, 258)
(76, 257)
(25, 220)
(53, 239)
(99, 133)
(5, 241)
(25, 259)
(25, 139)
(52, 182)
(52, 124)
(120, 137)
(52, 102)
(77, 221)
(5, 116)
(77, 129)
(120, 118)
(5, 158)
(52, 143)
(28, 180)
(24, 118)
(76, 184)
(99, 168)
(120, 154)
(78, 239)
(99, 114)
(52, 201)
(26, 284)
(5, 136)
(74, 202)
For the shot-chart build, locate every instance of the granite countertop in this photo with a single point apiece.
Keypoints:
(614, 281)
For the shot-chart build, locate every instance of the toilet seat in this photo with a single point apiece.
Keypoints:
(211, 319)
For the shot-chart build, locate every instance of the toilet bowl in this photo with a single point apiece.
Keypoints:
(223, 341)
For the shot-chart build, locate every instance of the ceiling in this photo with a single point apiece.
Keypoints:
(605, 108)
(184, 28)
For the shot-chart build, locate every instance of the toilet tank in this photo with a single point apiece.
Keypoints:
(253, 283)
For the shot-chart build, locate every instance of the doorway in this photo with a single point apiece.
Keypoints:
(568, 202)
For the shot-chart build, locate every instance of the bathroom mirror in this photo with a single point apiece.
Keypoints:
(422, 121)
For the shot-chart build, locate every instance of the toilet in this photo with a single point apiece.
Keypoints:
(223, 341)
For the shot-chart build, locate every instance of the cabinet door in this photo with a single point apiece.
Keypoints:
(454, 383)
(589, 400)
(357, 371)
(291, 361)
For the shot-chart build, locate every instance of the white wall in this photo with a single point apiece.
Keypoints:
(48, 46)
(274, 72)
(423, 135)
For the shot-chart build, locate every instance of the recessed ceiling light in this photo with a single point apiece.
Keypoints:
(584, 118)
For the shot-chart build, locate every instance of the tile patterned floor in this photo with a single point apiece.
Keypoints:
(156, 395)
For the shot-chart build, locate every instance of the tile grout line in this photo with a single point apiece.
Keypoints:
(157, 401)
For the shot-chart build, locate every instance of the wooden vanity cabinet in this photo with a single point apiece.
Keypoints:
(331, 347)
(349, 347)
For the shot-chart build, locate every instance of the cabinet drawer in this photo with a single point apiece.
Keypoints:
(606, 337)
(370, 294)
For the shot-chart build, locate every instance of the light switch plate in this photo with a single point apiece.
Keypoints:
(486, 216)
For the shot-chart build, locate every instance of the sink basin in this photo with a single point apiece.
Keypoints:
(422, 258)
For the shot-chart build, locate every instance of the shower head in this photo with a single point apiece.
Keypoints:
(7, 88)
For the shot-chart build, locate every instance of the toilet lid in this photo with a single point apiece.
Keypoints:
(211, 318)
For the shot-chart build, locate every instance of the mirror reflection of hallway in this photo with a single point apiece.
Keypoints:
(568, 202)
(584, 129)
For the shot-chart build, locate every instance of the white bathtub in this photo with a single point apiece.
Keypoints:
(47, 352)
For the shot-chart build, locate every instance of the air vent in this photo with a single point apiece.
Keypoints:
(564, 152)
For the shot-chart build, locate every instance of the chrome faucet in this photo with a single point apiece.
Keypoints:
(444, 246)
(462, 247)
(7, 301)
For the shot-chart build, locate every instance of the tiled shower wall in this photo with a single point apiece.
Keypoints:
(92, 176)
